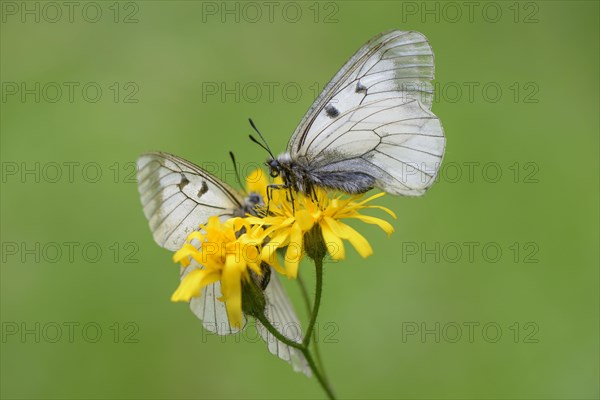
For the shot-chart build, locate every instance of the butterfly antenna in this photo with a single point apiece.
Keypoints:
(237, 173)
(264, 144)
(260, 144)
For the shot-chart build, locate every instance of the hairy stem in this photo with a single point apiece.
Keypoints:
(315, 371)
(304, 349)
(317, 303)
(315, 342)
(304, 292)
(265, 322)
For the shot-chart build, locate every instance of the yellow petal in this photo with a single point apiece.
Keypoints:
(277, 224)
(293, 255)
(387, 210)
(356, 240)
(281, 238)
(335, 245)
(213, 223)
(252, 257)
(191, 285)
(195, 235)
(236, 223)
(269, 255)
(256, 220)
(231, 286)
(384, 225)
(181, 255)
(375, 196)
(295, 251)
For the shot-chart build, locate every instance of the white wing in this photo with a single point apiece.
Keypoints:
(398, 142)
(211, 311)
(379, 84)
(280, 313)
(178, 196)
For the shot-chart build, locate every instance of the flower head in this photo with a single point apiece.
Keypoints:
(289, 221)
(228, 252)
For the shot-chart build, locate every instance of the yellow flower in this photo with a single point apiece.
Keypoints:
(223, 257)
(288, 223)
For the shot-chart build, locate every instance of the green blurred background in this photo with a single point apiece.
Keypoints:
(156, 63)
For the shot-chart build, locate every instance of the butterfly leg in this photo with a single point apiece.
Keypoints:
(313, 191)
(291, 197)
(268, 198)
(270, 189)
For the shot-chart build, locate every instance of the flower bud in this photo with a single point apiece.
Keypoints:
(314, 245)
(253, 297)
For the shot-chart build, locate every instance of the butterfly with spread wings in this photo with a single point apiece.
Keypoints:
(177, 197)
(372, 125)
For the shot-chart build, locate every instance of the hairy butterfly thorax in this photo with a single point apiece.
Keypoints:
(300, 178)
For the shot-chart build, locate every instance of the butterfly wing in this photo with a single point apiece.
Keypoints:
(209, 309)
(399, 143)
(177, 197)
(280, 313)
(374, 117)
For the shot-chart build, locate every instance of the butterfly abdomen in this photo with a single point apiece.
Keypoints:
(303, 178)
(345, 181)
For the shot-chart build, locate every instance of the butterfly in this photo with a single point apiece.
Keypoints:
(372, 125)
(177, 197)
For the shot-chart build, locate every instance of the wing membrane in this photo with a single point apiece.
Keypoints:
(178, 196)
(398, 142)
(280, 313)
(391, 65)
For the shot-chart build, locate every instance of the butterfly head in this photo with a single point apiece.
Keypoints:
(254, 199)
(274, 167)
(252, 203)
(280, 165)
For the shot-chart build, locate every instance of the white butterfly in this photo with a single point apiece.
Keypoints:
(372, 125)
(178, 196)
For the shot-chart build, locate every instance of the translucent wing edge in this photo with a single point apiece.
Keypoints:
(281, 315)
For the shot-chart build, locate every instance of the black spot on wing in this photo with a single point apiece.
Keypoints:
(360, 88)
(183, 183)
(203, 189)
(331, 111)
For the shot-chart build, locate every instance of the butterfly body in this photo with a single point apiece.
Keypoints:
(251, 202)
(303, 178)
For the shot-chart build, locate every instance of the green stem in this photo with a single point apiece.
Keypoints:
(317, 303)
(315, 342)
(319, 359)
(315, 371)
(265, 322)
(304, 294)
